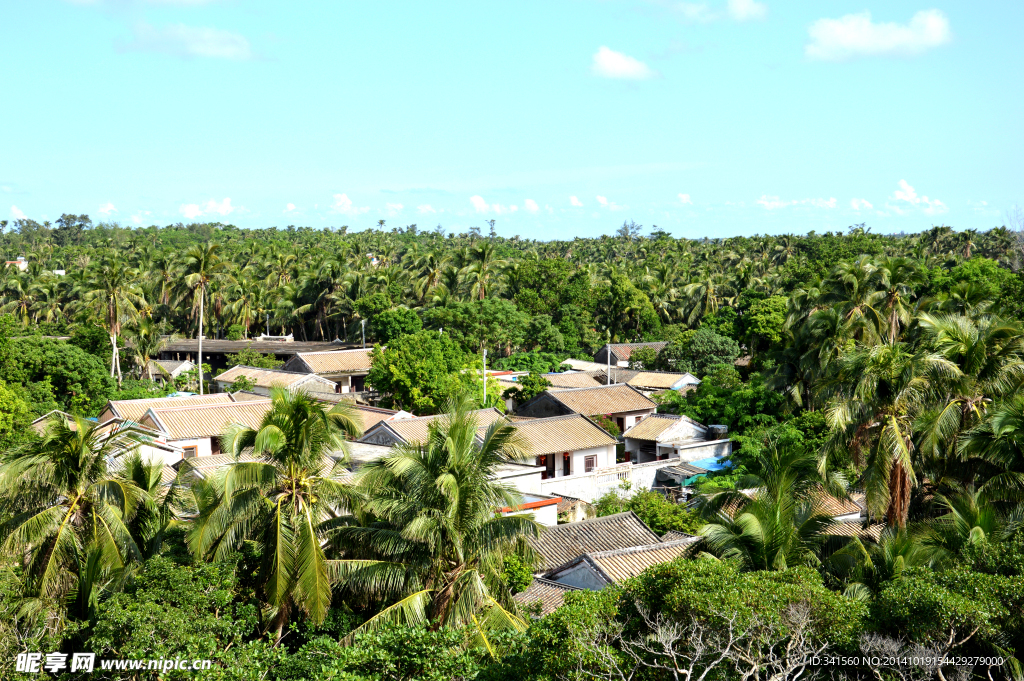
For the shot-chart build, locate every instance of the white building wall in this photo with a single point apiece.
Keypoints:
(692, 451)
(545, 515)
(203, 445)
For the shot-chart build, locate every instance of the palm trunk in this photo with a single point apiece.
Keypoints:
(200, 353)
(113, 353)
(117, 361)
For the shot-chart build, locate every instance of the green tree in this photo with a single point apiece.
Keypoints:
(438, 554)
(57, 375)
(147, 340)
(61, 505)
(416, 372)
(643, 359)
(526, 388)
(391, 324)
(764, 323)
(286, 502)
(202, 267)
(625, 310)
(115, 292)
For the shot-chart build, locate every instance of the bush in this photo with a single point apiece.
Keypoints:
(236, 332)
(698, 351)
(607, 423)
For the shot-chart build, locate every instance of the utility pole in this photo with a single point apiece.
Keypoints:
(202, 298)
(608, 357)
(484, 403)
(268, 324)
(362, 324)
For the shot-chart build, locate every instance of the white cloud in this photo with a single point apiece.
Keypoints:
(605, 203)
(531, 206)
(426, 208)
(745, 10)
(289, 208)
(855, 35)
(694, 11)
(611, 64)
(575, 202)
(107, 208)
(685, 199)
(393, 209)
(16, 213)
(190, 41)
(858, 204)
(907, 194)
(194, 210)
(343, 205)
(140, 216)
(479, 203)
(774, 202)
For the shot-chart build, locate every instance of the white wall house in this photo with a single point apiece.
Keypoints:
(623, 404)
(667, 436)
(197, 430)
(346, 368)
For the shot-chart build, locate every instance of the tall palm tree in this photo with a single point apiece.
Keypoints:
(876, 394)
(433, 539)
(778, 522)
(202, 266)
(61, 503)
(286, 500)
(115, 291)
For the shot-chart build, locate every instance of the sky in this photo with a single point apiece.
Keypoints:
(556, 119)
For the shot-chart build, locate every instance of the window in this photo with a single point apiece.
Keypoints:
(566, 463)
(548, 462)
(589, 464)
(190, 452)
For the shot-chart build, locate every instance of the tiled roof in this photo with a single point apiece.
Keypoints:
(567, 503)
(561, 434)
(650, 427)
(572, 380)
(835, 506)
(563, 543)
(853, 528)
(607, 399)
(622, 564)
(584, 365)
(655, 379)
(371, 416)
(417, 429)
(170, 367)
(549, 594)
(624, 350)
(337, 361)
(133, 410)
(265, 378)
(246, 396)
(212, 420)
(676, 536)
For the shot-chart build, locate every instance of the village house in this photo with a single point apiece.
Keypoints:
(347, 368)
(648, 382)
(569, 450)
(666, 436)
(623, 404)
(165, 371)
(134, 410)
(559, 545)
(600, 569)
(263, 380)
(151, 444)
(197, 429)
(617, 354)
(410, 430)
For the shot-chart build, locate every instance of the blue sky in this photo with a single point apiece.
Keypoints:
(556, 118)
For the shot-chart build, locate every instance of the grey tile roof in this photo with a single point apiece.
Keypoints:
(563, 543)
(549, 594)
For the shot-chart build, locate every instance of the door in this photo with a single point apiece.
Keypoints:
(566, 463)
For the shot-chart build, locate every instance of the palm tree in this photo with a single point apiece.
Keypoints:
(115, 291)
(202, 266)
(864, 565)
(61, 503)
(970, 519)
(778, 522)
(286, 500)
(146, 341)
(995, 448)
(433, 539)
(876, 394)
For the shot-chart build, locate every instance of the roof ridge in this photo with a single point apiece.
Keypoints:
(154, 399)
(327, 352)
(279, 371)
(211, 406)
(642, 548)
